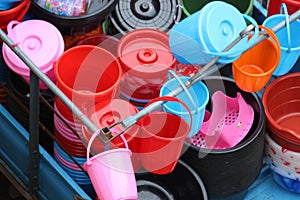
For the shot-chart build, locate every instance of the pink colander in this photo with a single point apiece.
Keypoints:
(229, 122)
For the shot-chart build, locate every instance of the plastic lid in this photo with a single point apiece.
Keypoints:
(145, 52)
(114, 111)
(39, 40)
(221, 26)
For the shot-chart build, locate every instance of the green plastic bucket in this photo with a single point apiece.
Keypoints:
(191, 6)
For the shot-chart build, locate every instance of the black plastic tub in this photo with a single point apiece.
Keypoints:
(183, 183)
(76, 25)
(228, 173)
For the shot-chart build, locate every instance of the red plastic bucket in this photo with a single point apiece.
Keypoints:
(281, 100)
(87, 75)
(162, 138)
(17, 12)
(274, 6)
(145, 57)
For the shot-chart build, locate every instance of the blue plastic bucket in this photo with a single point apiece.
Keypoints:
(196, 98)
(288, 38)
(203, 35)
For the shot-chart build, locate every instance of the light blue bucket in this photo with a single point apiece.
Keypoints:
(289, 39)
(196, 98)
(206, 33)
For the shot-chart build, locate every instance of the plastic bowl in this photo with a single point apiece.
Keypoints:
(281, 100)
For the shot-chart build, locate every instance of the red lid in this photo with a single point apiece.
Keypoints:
(145, 52)
(105, 114)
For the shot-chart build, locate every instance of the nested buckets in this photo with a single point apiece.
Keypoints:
(87, 75)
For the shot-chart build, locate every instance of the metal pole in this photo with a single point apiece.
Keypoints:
(77, 112)
(34, 135)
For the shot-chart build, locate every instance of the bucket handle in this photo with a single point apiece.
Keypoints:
(183, 87)
(173, 99)
(275, 40)
(93, 138)
(10, 29)
(283, 9)
(251, 41)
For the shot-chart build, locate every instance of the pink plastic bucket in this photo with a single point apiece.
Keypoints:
(103, 116)
(111, 173)
(43, 48)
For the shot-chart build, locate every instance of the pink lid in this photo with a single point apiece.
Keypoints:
(39, 40)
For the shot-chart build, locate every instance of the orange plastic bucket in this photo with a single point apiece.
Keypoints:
(254, 68)
(17, 12)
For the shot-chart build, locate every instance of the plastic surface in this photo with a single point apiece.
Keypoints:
(274, 6)
(77, 149)
(284, 165)
(42, 48)
(240, 164)
(76, 173)
(281, 101)
(111, 172)
(197, 92)
(281, 160)
(145, 58)
(254, 68)
(288, 39)
(229, 123)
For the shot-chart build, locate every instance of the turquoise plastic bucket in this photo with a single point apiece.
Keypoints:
(203, 35)
(288, 38)
(196, 98)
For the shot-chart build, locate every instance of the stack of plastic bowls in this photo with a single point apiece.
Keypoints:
(74, 171)
(284, 164)
(281, 100)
